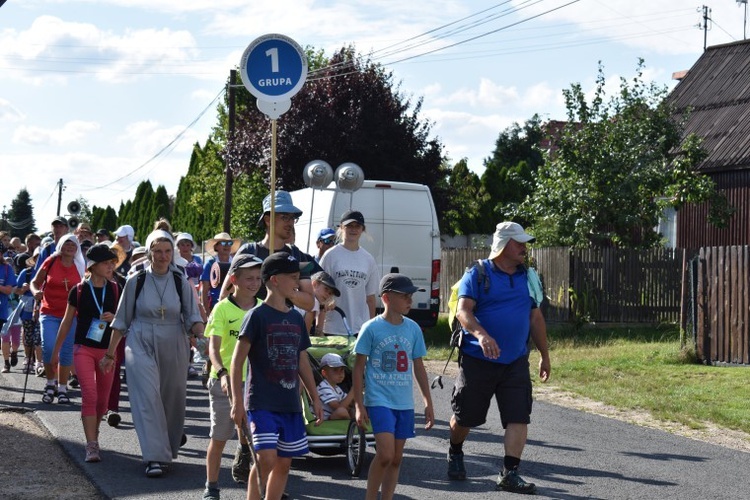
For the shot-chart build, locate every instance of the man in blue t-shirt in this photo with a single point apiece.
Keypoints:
(497, 319)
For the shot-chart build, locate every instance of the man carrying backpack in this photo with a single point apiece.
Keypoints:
(497, 321)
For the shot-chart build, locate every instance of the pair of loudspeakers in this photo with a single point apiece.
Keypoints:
(74, 208)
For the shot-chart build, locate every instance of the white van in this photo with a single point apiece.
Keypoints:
(403, 232)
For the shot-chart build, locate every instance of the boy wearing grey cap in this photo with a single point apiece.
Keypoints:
(389, 348)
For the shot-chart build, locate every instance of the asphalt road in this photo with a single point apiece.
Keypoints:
(569, 455)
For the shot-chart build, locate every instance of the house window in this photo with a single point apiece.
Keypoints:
(668, 227)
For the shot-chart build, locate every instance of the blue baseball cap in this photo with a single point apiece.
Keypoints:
(282, 204)
(326, 233)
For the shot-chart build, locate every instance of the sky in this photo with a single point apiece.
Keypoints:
(105, 94)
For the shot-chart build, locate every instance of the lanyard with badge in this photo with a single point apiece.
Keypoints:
(96, 330)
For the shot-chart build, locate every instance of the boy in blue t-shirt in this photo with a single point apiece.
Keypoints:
(389, 348)
(273, 339)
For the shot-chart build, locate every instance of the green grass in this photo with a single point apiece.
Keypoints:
(640, 368)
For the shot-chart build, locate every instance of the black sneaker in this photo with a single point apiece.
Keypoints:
(509, 480)
(456, 469)
(241, 465)
(113, 418)
(211, 493)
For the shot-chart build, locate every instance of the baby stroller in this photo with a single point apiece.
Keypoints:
(334, 437)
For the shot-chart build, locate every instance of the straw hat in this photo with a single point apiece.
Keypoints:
(210, 244)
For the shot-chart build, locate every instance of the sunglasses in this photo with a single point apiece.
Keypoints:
(327, 241)
(226, 243)
(288, 217)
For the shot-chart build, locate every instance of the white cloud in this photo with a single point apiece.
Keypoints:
(72, 132)
(52, 48)
(147, 138)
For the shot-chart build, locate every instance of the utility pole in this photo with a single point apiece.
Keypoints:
(744, 21)
(229, 180)
(704, 26)
(59, 195)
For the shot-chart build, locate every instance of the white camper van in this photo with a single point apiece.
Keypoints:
(403, 232)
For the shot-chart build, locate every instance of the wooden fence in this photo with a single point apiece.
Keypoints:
(594, 285)
(718, 304)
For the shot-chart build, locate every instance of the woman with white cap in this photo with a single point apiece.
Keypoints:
(156, 321)
(57, 275)
(194, 267)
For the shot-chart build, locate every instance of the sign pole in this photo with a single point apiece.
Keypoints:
(273, 185)
(273, 69)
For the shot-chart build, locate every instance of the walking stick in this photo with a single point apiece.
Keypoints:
(31, 363)
(247, 433)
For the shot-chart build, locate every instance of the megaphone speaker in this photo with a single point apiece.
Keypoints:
(349, 177)
(74, 208)
(73, 222)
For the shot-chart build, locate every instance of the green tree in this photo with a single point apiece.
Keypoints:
(509, 173)
(464, 214)
(618, 163)
(21, 215)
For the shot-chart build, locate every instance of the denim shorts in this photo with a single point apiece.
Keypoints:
(49, 326)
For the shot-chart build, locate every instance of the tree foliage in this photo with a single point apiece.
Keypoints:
(617, 164)
(349, 111)
(464, 215)
(21, 215)
(509, 173)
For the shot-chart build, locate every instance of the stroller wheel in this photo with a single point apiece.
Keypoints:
(356, 444)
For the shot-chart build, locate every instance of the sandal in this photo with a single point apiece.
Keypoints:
(49, 394)
(62, 398)
(153, 469)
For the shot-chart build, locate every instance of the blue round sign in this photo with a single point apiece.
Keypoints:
(273, 67)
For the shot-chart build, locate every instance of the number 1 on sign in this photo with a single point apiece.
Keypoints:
(274, 55)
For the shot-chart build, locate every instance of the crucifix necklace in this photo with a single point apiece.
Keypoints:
(65, 282)
(161, 293)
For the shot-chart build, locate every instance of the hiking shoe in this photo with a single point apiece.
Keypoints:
(13, 358)
(509, 480)
(113, 418)
(241, 465)
(153, 469)
(211, 494)
(92, 452)
(456, 469)
(73, 382)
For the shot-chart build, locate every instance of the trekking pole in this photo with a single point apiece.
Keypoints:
(29, 365)
(247, 433)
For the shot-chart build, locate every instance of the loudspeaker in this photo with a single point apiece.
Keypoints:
(74, 208)
(73, 222)
(349, 177)
(317, 174)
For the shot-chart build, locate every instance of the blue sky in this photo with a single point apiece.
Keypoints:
(90, 90)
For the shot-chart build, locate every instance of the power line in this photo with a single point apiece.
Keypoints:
(165, 148)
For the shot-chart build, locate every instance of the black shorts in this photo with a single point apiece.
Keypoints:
(478, 380)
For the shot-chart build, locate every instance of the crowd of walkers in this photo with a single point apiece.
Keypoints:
(96, 310)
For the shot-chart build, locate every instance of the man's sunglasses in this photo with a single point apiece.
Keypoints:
(327, 241)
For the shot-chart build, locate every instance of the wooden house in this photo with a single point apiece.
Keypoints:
(716, 92)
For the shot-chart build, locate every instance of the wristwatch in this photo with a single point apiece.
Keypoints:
(221, 373)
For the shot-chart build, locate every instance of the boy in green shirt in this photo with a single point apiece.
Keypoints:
(222, 331)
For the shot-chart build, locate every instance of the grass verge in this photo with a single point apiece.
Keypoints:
(637, 368)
